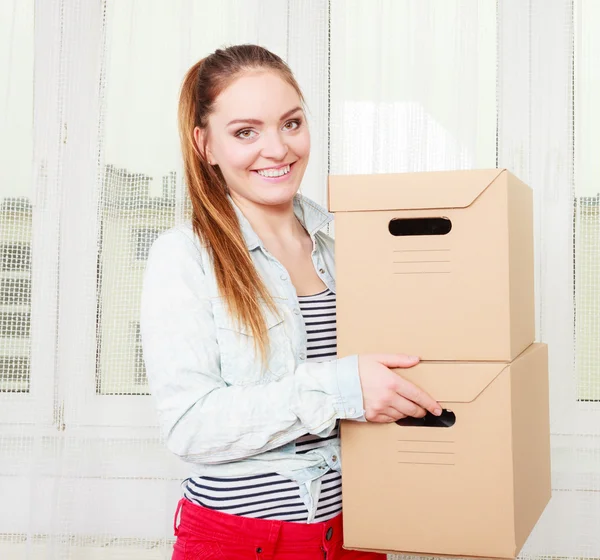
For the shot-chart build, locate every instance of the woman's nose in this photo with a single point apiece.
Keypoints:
(274, 146)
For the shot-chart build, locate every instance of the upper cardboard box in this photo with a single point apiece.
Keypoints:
(435, 264)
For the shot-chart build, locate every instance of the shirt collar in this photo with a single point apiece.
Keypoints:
(312, 216)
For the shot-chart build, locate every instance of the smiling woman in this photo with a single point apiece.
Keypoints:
(238, 324)
(238, 127)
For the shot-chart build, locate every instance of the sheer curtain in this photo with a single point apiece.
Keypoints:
(428, 85)
(90, 174)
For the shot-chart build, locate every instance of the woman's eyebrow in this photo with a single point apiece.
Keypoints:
(257, 122)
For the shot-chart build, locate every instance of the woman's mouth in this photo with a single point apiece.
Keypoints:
(275, 173)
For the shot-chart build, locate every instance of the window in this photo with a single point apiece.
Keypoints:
(14, 374)
(139, 186)
(14, 324)
(15, 291)
(425, 94)
(132, 217)
(16, 179)
(15, 257)
(587, 207)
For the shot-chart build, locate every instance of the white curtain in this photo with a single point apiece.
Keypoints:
(90, 173)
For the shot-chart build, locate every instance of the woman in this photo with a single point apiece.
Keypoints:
(238, 328)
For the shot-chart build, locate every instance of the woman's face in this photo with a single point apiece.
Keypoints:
(258, 136)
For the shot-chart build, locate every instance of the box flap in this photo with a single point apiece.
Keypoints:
(408, 191)
(453, 382)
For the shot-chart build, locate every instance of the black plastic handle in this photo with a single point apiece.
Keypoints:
(402, 227)
(445, 420)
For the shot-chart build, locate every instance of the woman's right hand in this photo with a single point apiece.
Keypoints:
(388, 396)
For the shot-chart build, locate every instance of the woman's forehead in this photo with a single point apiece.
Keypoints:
(256, 95)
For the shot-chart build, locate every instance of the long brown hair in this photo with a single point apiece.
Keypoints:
(213, 217)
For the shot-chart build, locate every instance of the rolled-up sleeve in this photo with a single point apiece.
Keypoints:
(204, 420)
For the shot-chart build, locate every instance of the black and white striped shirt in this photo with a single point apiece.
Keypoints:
(272, 496)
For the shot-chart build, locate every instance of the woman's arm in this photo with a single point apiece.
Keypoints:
(202, 418)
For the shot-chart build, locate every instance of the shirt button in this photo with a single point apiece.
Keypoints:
(297, 311)
(303, 356)
(352, 411)
(283, 277)
(334, 458)
(322, 270)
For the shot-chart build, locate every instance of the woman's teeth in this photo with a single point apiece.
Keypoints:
(274, 172)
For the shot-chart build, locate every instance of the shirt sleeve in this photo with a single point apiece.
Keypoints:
(203, 419)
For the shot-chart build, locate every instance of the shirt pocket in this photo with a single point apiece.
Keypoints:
(241, 363)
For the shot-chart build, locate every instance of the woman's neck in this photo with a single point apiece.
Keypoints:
(272, 224)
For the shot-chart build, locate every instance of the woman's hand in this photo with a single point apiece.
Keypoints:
(388, 396)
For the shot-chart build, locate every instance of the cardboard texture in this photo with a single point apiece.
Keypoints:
(476, 488)
(438, 265)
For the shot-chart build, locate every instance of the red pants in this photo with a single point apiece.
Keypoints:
(205, 533)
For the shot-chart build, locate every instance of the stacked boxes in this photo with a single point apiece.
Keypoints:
(440, 265)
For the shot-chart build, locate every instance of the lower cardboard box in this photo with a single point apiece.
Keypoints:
(472, 483)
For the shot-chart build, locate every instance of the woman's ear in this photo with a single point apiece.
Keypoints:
(199, 138)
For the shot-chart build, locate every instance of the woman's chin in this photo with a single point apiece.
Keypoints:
(268, 195)
(277, 195)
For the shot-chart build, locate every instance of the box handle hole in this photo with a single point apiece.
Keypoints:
(445, 420)
(401, 227)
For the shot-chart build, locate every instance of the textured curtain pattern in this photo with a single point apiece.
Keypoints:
(90, 174)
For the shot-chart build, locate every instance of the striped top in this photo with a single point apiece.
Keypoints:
(272, 496)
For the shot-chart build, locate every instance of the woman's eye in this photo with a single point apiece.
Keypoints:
(245, 134)
(291, 125)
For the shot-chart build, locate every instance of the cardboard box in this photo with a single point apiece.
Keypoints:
(475, 488)
(438, 265)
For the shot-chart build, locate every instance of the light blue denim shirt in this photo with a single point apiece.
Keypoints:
(219, 408)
